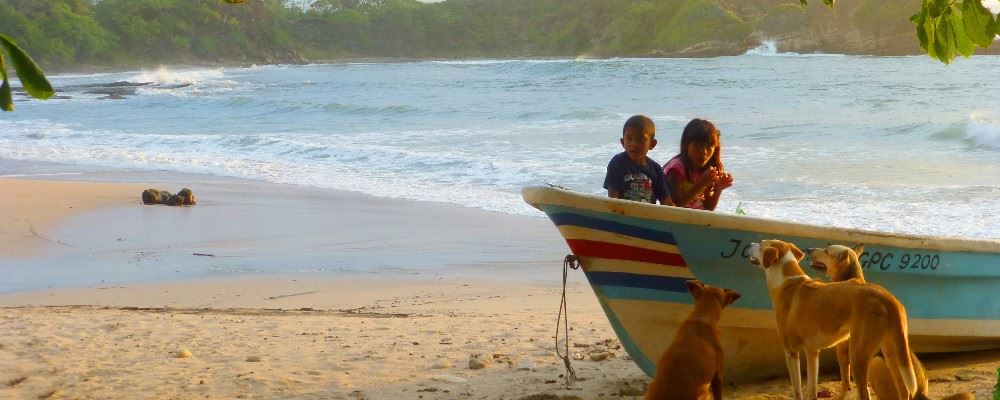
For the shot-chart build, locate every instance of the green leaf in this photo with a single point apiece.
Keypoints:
(6, 100)
(978, 22)
(944, 38)
(963, 44)
(936, 7)
(925, 30)
(31, 76)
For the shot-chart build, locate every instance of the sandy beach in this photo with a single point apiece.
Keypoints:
(282, 292)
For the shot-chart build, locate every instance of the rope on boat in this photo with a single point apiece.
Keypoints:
(571, 261)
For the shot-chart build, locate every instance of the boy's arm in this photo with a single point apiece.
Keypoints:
(663, 192)
(613, 180)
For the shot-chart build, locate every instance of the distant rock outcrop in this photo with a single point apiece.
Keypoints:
(183, 198)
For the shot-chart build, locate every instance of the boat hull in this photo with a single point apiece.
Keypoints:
(637, 257)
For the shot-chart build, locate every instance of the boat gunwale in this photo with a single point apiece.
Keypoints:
(541, 195)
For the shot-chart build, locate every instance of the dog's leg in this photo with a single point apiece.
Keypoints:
(844, 362)
(795, 373)
(717, 385)
(812, 373)
(861, 352)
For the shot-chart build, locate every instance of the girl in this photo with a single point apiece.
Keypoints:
(695, 175)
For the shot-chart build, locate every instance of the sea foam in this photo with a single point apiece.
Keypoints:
(983, 130)
(474, 133)
(766, 48)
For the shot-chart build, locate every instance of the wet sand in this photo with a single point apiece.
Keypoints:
(278, 292)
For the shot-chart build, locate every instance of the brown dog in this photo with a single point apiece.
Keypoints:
(841, 263)
(692, 365)
(812, 315)
(883, 383)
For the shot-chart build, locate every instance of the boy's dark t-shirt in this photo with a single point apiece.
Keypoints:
(637, 183)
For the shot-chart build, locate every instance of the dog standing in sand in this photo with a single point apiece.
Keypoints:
(812, 315)
(841, 263)
(691, 367)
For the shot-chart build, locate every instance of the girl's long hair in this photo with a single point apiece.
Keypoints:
(703, 132)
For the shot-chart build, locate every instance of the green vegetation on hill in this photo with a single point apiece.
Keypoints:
(72, 34)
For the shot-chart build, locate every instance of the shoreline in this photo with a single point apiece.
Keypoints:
(433, 302)
(242, 228)
(89, 70)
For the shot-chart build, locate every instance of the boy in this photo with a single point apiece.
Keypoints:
(632, 175)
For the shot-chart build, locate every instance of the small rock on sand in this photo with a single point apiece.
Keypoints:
(599, 356)
(441, 363)
(965, 376)
(184, 353)
(478, 363)
(253, 359)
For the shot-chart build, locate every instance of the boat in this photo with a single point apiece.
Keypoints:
(637, 258)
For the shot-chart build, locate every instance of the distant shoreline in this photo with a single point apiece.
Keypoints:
(99, 69)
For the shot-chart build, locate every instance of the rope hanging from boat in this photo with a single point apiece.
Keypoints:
(570, 261)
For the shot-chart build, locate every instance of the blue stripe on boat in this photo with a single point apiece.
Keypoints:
(638, 281)
(565, 218)
(627, 293)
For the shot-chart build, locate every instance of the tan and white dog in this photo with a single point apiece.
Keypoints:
(812, 315)
(692, 365)
(841, 263)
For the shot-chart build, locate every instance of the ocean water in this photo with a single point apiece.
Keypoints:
(898, 144)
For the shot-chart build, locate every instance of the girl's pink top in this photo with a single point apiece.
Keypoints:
(676, 166)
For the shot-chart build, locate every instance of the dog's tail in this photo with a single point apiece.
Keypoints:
(897, 350)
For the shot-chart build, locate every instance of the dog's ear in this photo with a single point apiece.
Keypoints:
(858, 249)
(768, 256)
(731, 296)
(695, 286)
(795, 251)
(844, 257)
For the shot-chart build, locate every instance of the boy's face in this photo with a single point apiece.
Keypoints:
(637, 144)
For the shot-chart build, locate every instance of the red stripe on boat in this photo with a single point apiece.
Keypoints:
(592, 248)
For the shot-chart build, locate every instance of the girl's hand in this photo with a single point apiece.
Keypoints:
(723, 180)
(710, 176)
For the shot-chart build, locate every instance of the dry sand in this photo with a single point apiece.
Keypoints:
(406, 335)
